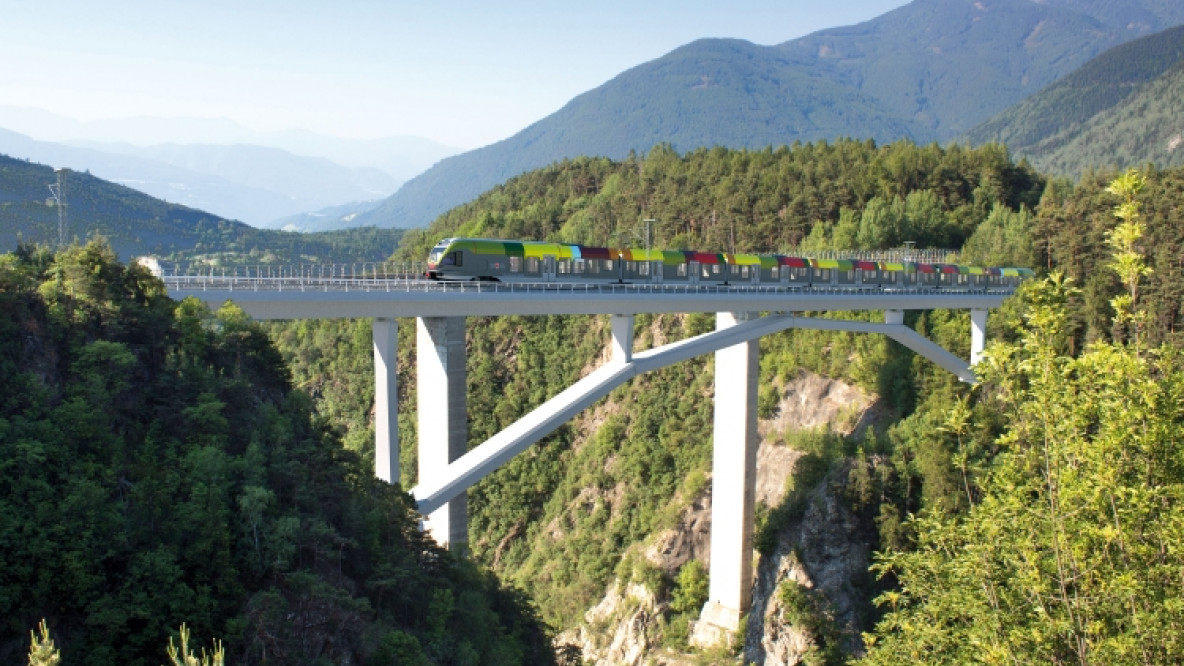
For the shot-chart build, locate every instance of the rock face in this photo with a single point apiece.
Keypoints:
(825, 552)
(624, 630)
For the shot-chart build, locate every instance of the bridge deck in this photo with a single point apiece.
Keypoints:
(296, 298)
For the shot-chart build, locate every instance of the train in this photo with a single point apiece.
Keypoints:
(497, 260)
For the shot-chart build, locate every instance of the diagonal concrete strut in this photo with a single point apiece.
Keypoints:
(483, 459)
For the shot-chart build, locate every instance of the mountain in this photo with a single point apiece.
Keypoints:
(137, 224)
(248, 183)
(1147, 127)
(926, 71)
(344, 216)
(1121, 109)
(401, 157)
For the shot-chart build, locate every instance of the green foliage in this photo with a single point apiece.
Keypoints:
(1128, 262)
(1067, 554)
(690, 588)
(752, 200)
(42, 651)
(809, 611)
(1004, 239)
(159, 468)
(183, 656)
(1071, 232)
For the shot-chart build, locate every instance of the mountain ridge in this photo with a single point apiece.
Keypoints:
(249, 183)
(1047, 128)
(921, 92)
(137, 224)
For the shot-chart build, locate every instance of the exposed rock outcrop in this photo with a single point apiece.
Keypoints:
(823, 551)
(826, 553)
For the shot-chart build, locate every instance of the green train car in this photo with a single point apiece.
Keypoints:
(532, 261)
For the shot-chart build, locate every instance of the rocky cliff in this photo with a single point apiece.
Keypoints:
(807, 594)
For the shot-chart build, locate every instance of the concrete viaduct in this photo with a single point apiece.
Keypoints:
(447, 467)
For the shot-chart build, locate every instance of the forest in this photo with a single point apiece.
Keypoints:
(159, 469)
(852, 195)
(1032, 518)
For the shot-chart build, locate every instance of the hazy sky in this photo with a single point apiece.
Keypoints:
(465, 73)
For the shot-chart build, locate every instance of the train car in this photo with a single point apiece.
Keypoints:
(486, 259)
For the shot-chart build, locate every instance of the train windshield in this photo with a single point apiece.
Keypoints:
(436, 253)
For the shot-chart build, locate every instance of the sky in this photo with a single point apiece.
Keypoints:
(462, 73)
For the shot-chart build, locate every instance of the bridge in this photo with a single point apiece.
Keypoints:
(447, 467)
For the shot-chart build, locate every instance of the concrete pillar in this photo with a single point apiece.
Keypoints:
(622, 338)
(978, 334)
(733, 491)
(386, 400)
(443, 430)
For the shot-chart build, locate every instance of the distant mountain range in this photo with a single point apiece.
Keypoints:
(928, 71)
(1123, 108)
(136, 224)
(255, 177)
(248, 183)
(932, 70)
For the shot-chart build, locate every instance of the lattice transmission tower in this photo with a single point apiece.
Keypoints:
(58, 190)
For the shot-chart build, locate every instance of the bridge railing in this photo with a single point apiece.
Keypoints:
(354, 271)
(199, 283)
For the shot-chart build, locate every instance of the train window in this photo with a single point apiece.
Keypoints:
(643, 268)
(681, 270)
(773, 272)
(563, 266)
(532, 264)
(608, 265)
(515, 264)
(577, 266)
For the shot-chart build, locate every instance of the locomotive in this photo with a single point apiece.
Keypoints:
(497, 260)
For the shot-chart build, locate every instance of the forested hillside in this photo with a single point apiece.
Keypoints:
(157, 468)
(568, 516)
(558, 519)
(135, 417)
(1121, 109)
(136, 224)
(846, 194)
(1067, 546)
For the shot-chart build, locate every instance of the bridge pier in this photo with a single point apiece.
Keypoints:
(443, 419)
(978, 334)
(733, 488)
(622, 330)
(385, 333)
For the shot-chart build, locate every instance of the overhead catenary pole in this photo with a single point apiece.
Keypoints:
(58, 190)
